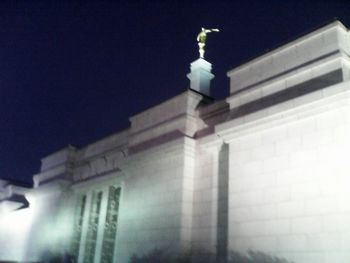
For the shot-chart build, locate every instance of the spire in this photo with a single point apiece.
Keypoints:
(200, 76)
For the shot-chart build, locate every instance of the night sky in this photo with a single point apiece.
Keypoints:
(74, 72)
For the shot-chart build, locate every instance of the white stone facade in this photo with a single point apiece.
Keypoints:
(264, 170)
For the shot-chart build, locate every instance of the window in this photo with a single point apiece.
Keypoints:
(90, 241)
(96, 215)
(110, 230)
(78, 227)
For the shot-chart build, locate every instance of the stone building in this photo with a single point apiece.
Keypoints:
(266, 169)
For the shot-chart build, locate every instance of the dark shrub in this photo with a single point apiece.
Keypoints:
(255, 257)
(155, 256)
(160, 256)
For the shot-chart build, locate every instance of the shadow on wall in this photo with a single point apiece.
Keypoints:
(162, 256)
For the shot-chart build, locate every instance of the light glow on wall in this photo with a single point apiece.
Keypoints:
(15, 228)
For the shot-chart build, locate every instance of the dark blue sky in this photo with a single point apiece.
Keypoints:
(73, 72)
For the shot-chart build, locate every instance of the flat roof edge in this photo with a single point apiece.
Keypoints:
(299, 38)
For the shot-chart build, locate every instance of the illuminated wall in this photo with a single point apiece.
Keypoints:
(31, 233)
(157, 202)
(266, 170)
(288, 140)
(288, 192)
(14, 234)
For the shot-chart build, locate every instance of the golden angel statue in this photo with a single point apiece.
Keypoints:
(202, 37)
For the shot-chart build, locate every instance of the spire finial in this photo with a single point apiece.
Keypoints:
(202, 37)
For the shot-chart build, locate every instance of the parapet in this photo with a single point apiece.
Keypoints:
(324, 52)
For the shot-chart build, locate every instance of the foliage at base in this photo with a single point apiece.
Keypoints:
(162, 256)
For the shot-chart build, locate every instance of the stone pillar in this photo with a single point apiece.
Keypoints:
(200, 76)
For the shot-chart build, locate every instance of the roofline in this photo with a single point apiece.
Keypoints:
(187, 91)
(16, 182)
(284, 44)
